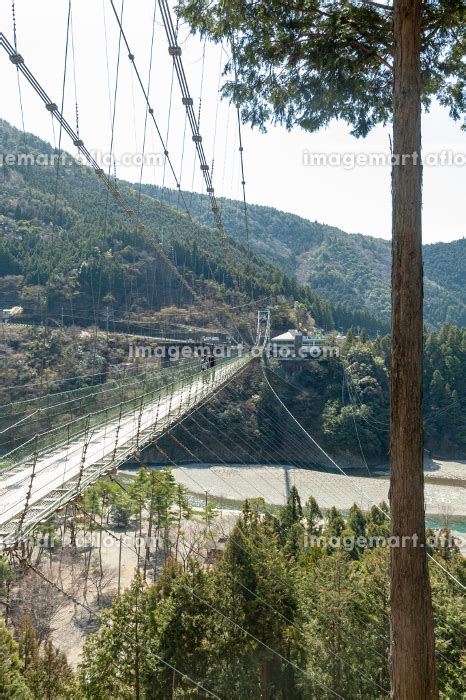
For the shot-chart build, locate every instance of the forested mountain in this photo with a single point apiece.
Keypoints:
(97, 259)
(344, 268)
(65, 240)
(329, 398)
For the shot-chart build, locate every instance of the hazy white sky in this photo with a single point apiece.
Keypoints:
(357, 199)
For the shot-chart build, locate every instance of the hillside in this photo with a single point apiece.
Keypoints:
(344, 268)
(67, 241)
(98, 260)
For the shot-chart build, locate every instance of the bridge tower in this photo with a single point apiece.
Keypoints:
(263, 327)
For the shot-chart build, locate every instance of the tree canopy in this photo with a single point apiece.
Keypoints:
(305, 62)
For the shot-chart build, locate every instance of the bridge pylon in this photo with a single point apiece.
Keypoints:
(263, 327)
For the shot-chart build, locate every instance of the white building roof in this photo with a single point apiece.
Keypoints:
(289, 335)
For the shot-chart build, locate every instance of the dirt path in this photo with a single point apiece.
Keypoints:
(70, 626)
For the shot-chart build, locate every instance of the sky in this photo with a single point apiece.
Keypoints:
(280, 166)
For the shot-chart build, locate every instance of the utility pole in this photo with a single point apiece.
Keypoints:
(206, 508)
(119, 566)
(156, 558)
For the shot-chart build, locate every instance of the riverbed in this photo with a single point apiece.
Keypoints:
(445, 483)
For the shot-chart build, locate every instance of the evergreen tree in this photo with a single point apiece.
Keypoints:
(111, 658)
(356, 520)
(335, 522)
(28, 644)
(12, 683)
(307, 63)
(6, 576)
(292, 513)
(254, 559)
(322, 611)
(122, 511)
(313, 514)
(49, 676)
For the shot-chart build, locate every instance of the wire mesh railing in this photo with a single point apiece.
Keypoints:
(63, 411)
(58, 471)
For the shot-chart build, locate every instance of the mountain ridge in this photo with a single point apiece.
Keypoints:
(344, 278)
(351, 268)
(66, 236)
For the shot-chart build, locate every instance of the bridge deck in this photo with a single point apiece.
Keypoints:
(63, 473)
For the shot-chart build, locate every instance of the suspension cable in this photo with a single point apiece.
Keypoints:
(339, 657)
(175, 51)
(241, 440)
(256, 639)
(74, 76)
(15, 41)
(112, 127)
(204, 167)
(149, 78)
(170, 100)
(385, 515)
(146, 98)
(108, 624)
(241, 153)
(114, 191)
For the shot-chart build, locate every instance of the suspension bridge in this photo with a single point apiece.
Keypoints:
(54, 467)
(52, 475)
(48, 470)
(90, 432)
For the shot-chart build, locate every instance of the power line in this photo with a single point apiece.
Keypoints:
(197, 459)
(314, 442)
(273, 609)
(170, 460)
(238, 544)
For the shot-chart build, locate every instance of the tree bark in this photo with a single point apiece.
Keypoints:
(412, 668)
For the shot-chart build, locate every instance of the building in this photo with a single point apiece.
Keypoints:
(294, 345)
(6, 314)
